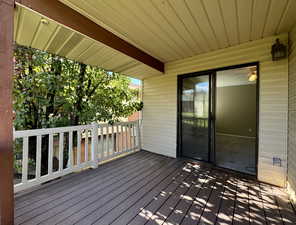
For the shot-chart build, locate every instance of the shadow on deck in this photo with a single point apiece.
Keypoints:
(145, 188)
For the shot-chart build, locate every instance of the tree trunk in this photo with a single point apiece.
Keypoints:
(80, 94)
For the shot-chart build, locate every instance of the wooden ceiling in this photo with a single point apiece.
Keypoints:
(166, 29)
(175, 29)
(32, 29)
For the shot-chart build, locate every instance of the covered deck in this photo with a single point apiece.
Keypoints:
(155, 41)
(146, 188)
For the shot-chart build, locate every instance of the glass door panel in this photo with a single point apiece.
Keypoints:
(236, 119)
(195, 117)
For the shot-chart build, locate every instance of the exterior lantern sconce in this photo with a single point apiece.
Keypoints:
(278, 51)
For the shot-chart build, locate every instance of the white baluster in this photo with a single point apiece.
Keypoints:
(113, 142)
(135, 135)
(139, 145)
(86, 145)
(107, 141)
(131, 136)
(25, 160)
(117, 138)
(50, 153)
(38, 156)
(70, 150)
(61, 152)
(126, 138)
(102, 155)
(121, 137)
(78, 147)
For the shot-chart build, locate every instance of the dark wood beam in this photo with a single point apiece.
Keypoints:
(59, 12)
(6, 138)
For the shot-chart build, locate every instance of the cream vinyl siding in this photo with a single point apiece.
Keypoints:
(160, 103)
(292, 115)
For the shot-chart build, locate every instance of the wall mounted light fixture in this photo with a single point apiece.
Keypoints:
(278, 51)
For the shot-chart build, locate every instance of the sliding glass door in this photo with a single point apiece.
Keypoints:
(195, 103)
(236, 119)
(218, 117)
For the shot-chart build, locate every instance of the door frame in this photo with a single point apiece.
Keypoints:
(212, 106)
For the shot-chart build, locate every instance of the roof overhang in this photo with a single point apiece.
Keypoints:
(136, 37)
(76, 29)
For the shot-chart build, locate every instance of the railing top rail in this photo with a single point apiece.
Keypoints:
(36, 132)
(45, 131)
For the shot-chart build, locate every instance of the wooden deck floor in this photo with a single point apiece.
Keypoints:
(146, 188)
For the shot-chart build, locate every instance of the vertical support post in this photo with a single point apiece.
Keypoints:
(94, 145)
(6, 128)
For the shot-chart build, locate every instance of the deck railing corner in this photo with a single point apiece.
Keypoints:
(70, 149)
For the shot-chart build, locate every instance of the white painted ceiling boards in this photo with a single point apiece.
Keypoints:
(166, 29)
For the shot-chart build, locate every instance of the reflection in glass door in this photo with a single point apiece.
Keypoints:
(195, 98)
(236, 119)
(218, 117)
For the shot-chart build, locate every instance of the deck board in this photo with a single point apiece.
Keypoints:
(146, 188)
(149, 180)
(75, 180)
(197, 207)
(135, 201)
(169, 205)
(98, 195)
(185, 202)
(226, 211)
(271, 209)
(242, 210)
(257, 214)
(212, 207)
(139, 212)
(144, 213)
(285, 206)
(67, 192)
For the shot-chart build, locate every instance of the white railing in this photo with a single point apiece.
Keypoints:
(69, 149)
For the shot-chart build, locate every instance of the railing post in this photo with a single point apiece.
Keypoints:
(6, 125)
(94, 145)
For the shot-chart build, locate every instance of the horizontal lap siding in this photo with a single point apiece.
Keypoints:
(159, 115)
(292, 114)
(160, 103)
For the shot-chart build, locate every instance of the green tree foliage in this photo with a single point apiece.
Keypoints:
(51, 91)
